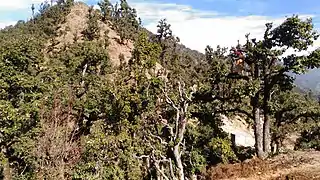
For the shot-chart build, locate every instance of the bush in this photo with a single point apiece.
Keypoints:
(243, 153)
(310, 139)
(222, 150)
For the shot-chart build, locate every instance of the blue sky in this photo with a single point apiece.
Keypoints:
(198, 22)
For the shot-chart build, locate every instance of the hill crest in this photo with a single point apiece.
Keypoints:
(76, 22)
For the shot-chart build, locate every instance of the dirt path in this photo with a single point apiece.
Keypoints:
(299, 165)
(299, 173)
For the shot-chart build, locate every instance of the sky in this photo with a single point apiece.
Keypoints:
(198, 23)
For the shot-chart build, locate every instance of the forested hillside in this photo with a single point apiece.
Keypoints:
(91, 94)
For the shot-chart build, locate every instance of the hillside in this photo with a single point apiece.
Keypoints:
(91, 94)
(76, 22)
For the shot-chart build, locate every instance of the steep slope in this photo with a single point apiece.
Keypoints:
(76, 22)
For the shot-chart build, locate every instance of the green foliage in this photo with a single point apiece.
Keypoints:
(292, 112)
(115, 141)
(21, 86)
(122, 18)
(146, 53)
(268, 70)
(110, 156)
(294, 32)
(125, 18)
(221, 149)
(21, 92)
(49, 18)
(244, 153)
(106, 10)
(310, 139)
(92, 31)
(66, 112)
(164, 32)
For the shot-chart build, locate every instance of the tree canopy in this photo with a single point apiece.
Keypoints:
(67, 111)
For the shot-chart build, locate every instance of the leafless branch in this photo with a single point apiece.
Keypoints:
(183, 147)
(156, 164)
(171, 168)
(168, 126)
(236, 109)
(177, 124)
(83, 73)
(141, 157)
(181, 110)
(160, 139)
(180, 90)
(168, 99)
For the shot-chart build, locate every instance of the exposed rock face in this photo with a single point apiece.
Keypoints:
(243, 133)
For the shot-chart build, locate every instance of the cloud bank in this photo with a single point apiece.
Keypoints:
(196, 28)
(3, 24)
(17, 4)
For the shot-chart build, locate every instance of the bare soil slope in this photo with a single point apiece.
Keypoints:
(298, 165)
(76, 22)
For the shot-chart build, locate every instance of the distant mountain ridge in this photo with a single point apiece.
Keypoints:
(309, 81)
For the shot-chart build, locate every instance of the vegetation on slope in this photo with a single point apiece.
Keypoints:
(71, 109)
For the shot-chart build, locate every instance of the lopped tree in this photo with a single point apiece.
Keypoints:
(269, 68)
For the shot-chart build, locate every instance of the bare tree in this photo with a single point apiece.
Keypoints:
(174, 141)
(56, 151)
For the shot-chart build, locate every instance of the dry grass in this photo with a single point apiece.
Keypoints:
(294, 165)
(299, 176)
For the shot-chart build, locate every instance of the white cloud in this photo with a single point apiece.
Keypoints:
(17, 4)
(197, 28)
(3, 24)
(152, 12)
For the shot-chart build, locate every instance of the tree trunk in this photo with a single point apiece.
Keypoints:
(277, 147)
(266, 124)
(83, 74)
(258, 122)
(266, 135)
(273, 146)
(7, 174)
(258, 131)
(180, 127)
(177, 157)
